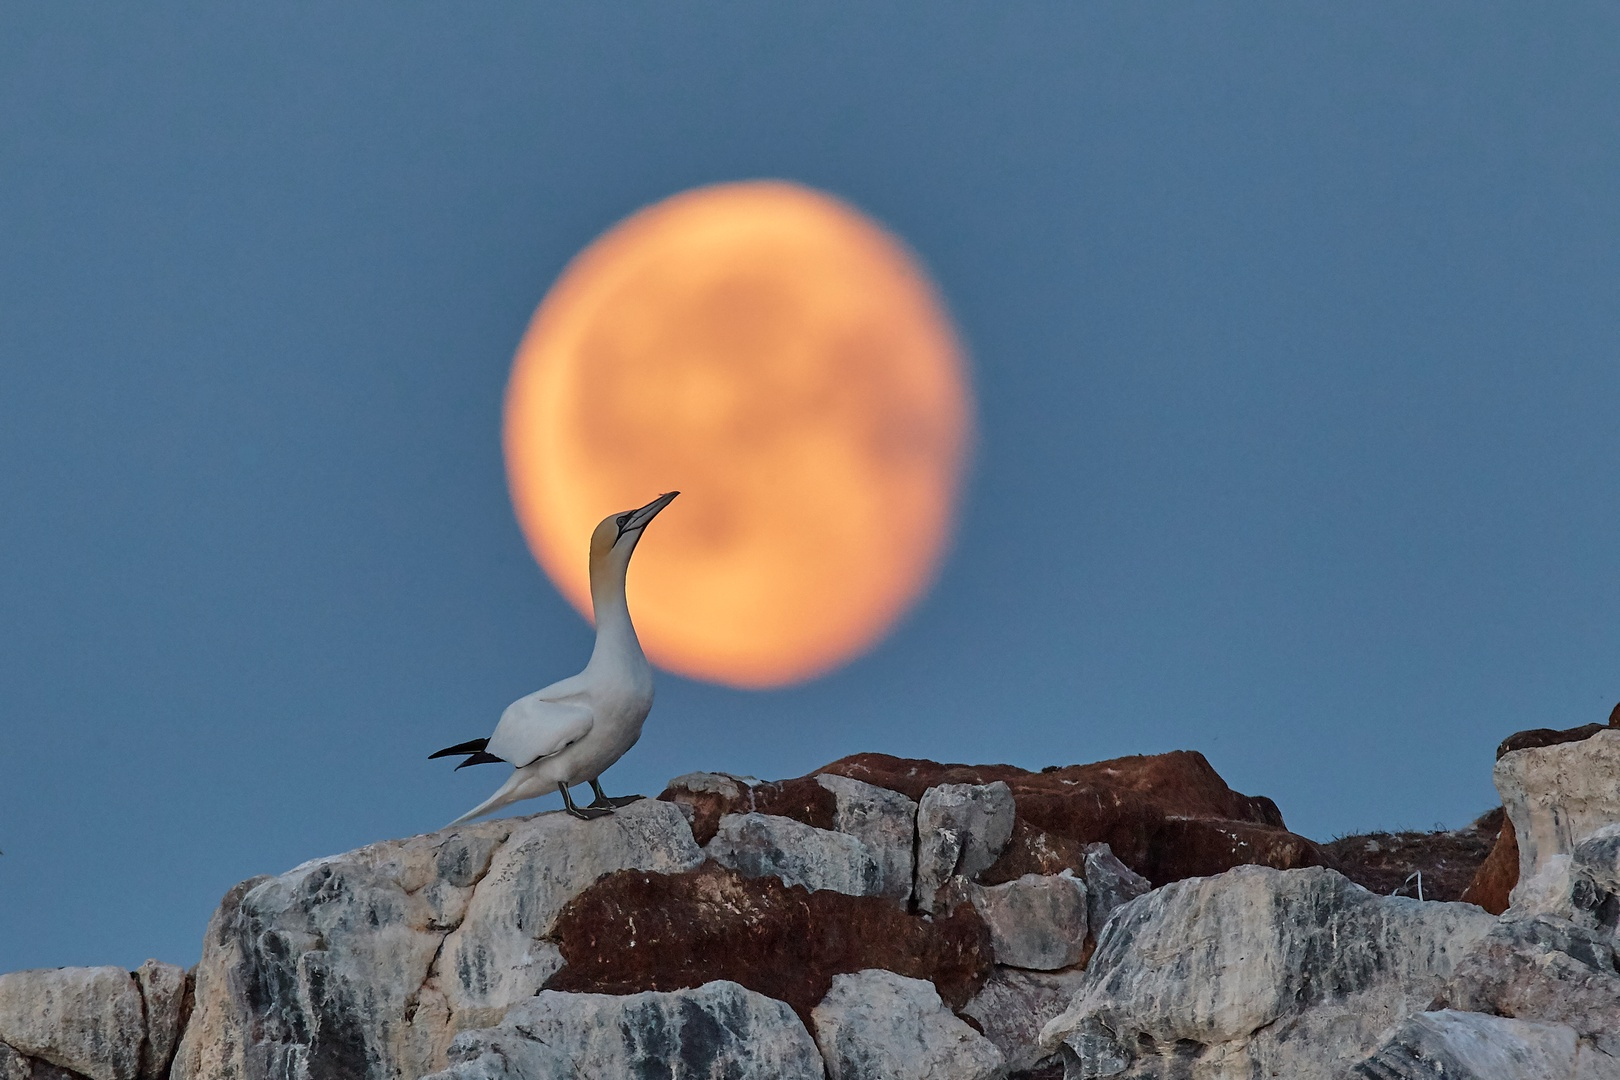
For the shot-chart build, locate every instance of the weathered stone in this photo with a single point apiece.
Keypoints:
(1109, 884)
(635, 931)
(1557, 795)
(1037, 922)
(86, 1019)
(1546, 969)
(1451, 1045)
(885, 821)
(716, 1030)
(876, 1025)
(1259, 970)
(15, 1066)
(1015, 1005)
(961, 829)
(365, 965)
(764, 845)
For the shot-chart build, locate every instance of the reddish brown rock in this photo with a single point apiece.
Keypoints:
(1166, 816)
(1448, 859)
(1497, 875)
(801, 799)
(1035, 851)
(635, 931)
(1535, 737)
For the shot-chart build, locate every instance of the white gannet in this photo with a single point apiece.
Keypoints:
(570, 732)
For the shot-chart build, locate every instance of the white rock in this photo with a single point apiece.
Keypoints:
(1013, 1007)
(876, 1025)
(1036, 922)
(1451, 1045)
(885, 821)
(719, 1029)
(87, 1019)
(765, 845)
(961, 830)
(1297, 972)
(365, 965)
(1558, 795)
(1109, 884)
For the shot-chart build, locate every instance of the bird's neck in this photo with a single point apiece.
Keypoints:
(615, 635)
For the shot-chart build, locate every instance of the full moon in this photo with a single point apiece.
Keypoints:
(786, 364)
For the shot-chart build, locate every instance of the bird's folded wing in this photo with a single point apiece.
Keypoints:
(531, 729)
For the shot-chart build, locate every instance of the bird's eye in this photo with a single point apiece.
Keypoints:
(622, 519)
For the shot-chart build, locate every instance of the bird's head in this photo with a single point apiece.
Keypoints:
(618, 534)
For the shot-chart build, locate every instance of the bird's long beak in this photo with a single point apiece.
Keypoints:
(638, 518)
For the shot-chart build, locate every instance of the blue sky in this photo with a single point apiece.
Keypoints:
(1293, 331)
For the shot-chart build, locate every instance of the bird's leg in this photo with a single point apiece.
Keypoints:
(603, 802)
(583, 813)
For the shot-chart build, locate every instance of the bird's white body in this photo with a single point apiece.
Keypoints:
(571, 731)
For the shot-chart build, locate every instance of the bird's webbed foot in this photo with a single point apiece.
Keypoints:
(584, 813)
(603, 801)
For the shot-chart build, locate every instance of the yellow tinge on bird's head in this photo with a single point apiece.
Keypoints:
(617, 527)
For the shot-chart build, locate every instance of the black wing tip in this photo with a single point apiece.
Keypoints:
(471, 746)
(480, 758)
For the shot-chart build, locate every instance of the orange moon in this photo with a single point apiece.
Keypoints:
(786, 364)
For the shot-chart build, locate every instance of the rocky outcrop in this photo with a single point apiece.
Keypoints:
(104, 1023)
(367, 964)
(716, 1030)
(876, 1025)
(889, 917)
(1261, 971)
(637, 931)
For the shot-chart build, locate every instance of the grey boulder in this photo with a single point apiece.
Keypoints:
(876, 1025)
(885, 821)
(1037, 921)
(1452, 1045)
(1014, 1005)
(1258, 972)
(961, 830)
(766, 845)
(1109, 885)
(718, 1030)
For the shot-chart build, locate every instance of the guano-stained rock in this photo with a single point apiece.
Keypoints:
(713, 1031)
(876, 1025)
(961, 830)
(764, 845)
(365, 965)
(1258, 969)
(86, 1019)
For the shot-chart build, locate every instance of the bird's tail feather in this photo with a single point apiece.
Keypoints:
(494, 802)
